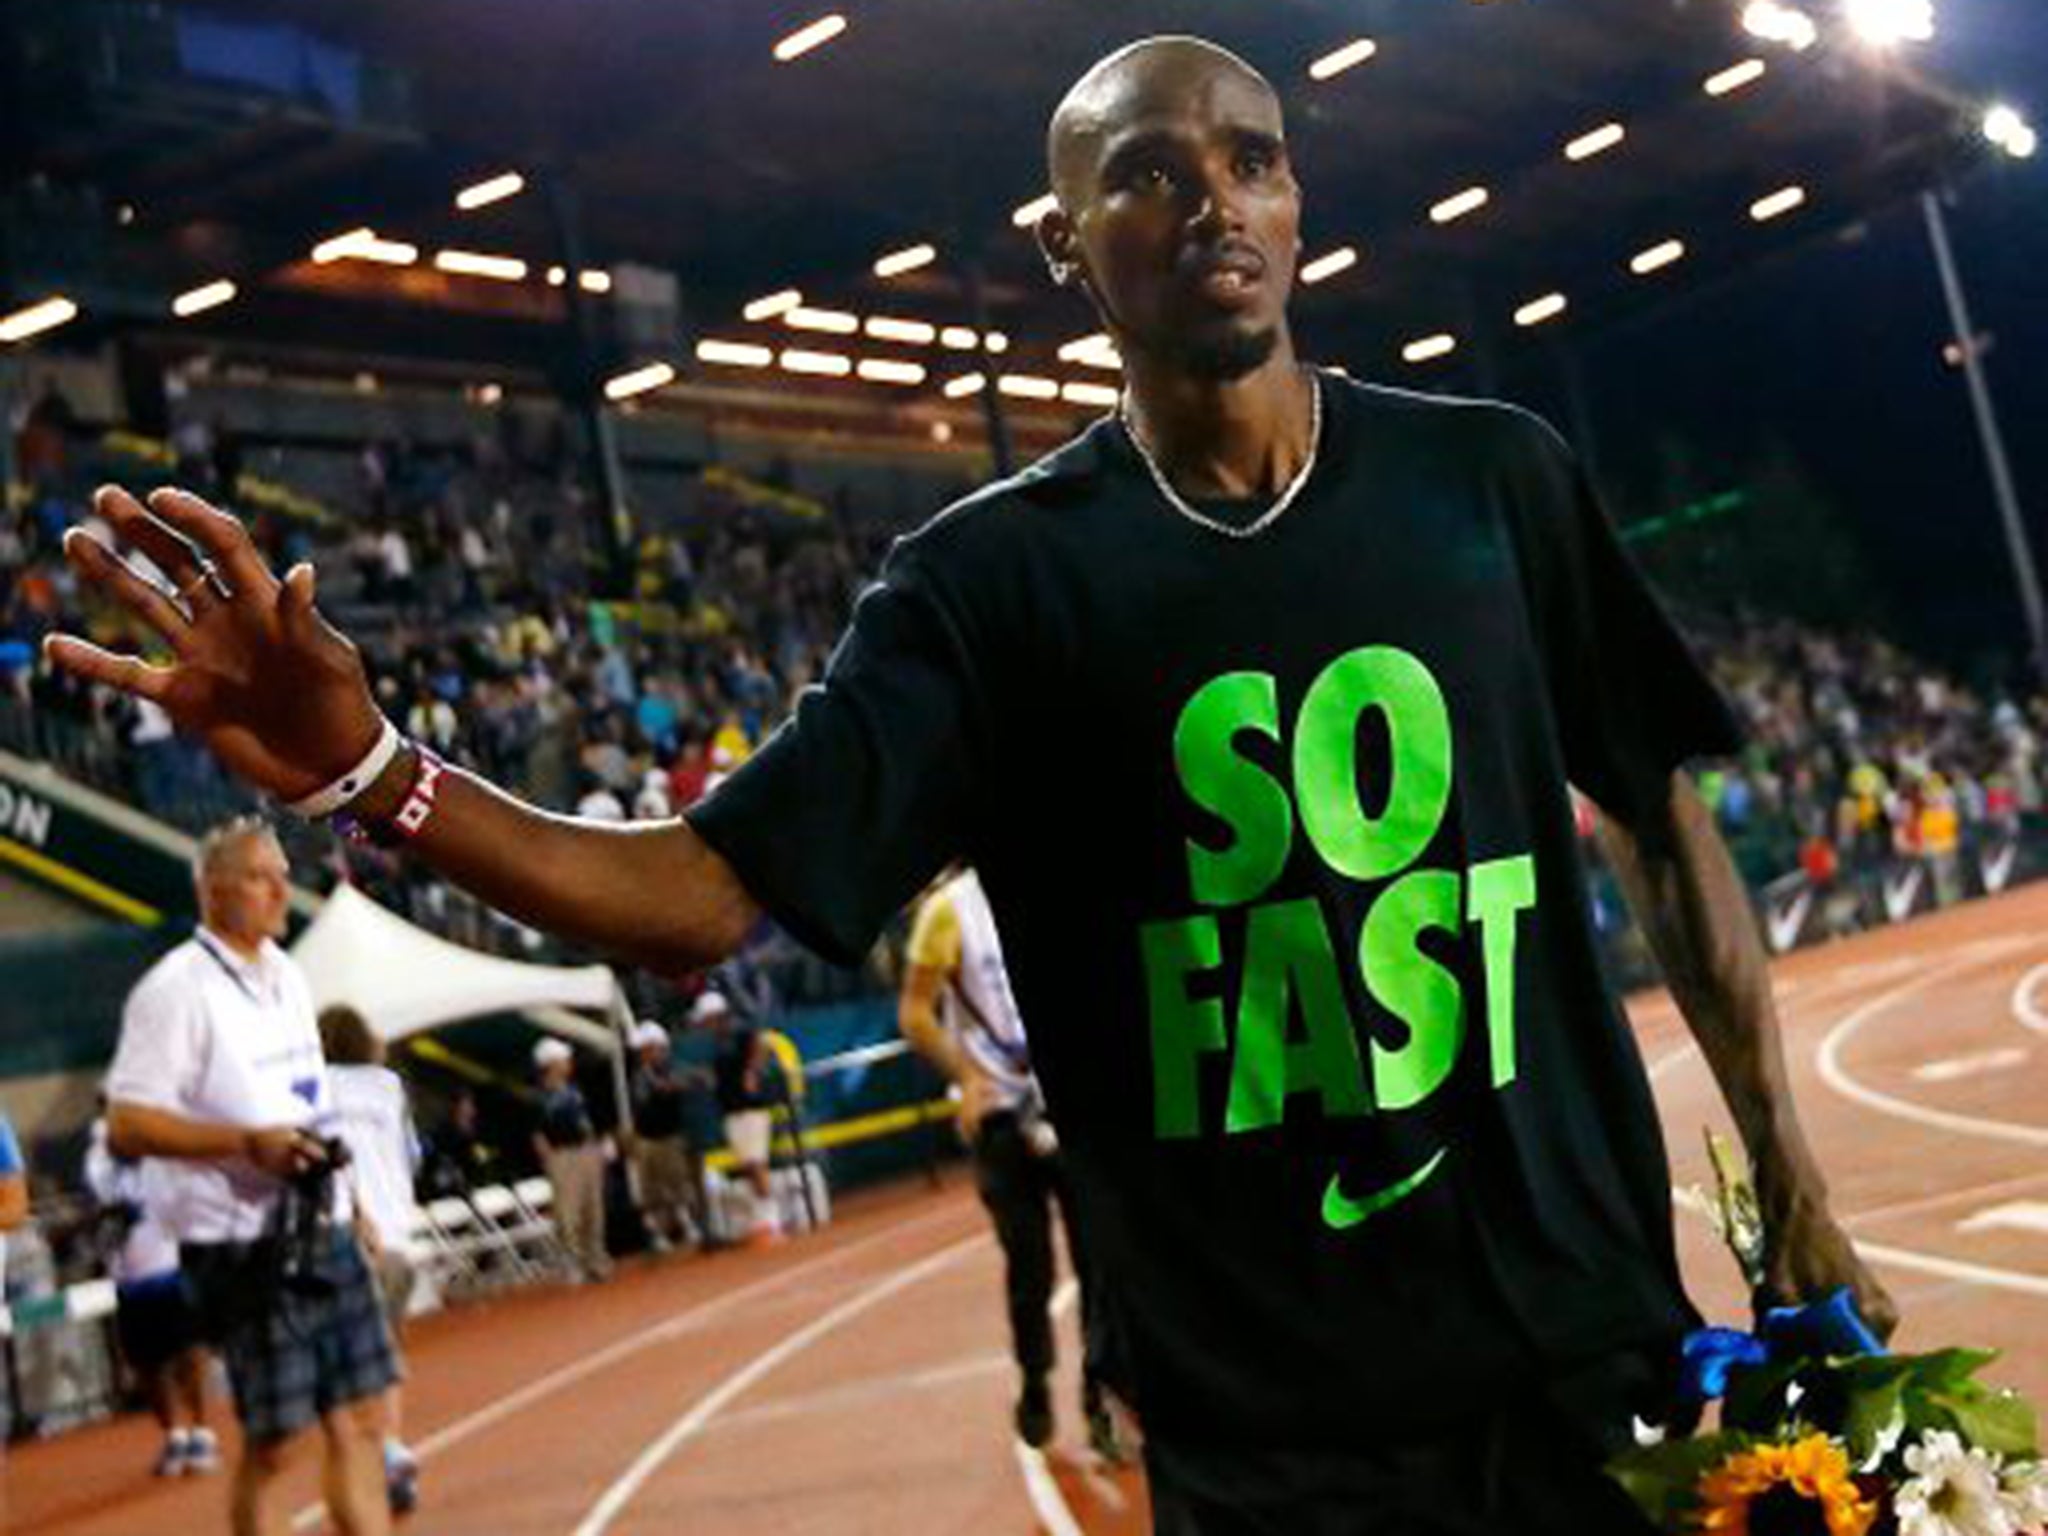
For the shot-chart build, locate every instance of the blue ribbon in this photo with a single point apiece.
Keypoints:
(1815, 1329)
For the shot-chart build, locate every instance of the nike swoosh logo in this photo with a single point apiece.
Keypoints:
(1341, 1211)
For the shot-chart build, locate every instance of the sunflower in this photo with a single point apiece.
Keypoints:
(1804, 1486)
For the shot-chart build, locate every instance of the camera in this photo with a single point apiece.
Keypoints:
(305, 1217)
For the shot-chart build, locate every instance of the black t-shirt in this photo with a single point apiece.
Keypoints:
(1277, 836)
(657, 1102)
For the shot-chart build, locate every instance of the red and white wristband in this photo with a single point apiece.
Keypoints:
(413, 813)
(325, 802)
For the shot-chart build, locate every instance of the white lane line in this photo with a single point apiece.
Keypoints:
(1042, 1487)
(1046, 1499)
(1955, 1269)
(1829, 1061)
(1955, 1068)
(1949, 1197)
(1672, 1059)
(630, 1346)
(2019, 1215)
(2024, 1008)
(1884, 1253)
(621, 1492)
(868, 1391)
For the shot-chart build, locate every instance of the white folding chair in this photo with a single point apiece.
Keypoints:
(526, 1238)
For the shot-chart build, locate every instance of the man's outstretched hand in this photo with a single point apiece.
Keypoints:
(275, 691)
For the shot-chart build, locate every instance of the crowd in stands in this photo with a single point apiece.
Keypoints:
(468, 575)
(1860, 756)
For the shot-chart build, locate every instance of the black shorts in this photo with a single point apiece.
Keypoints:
(154, 1321)
(1533, 1467)
(293, 1354)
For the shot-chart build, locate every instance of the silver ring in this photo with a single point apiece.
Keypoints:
(203, 579)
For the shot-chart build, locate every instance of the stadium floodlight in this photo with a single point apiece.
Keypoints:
(967, 384)
(806, 38)
(997, 342)
(196, 301)
(959, 338)
(833, 322)
(1536, 311)
(1329, 264)
(915, 333)
(1424, 348)
(887, 370)
(1456, 206)
(1734, 77)
(1335, 62)
(1083, 393)
(591, 280)
(45, 315)
(1092, 351)
(639, 381)
(1777, 23)
(734, 354)
(909, 259)
(1782, 201)
(1656, 257)
(499, 269)
(363, 244)
(489, 394)
(1595, 141)
(831, 365)
(1027, 215)
(1885, 23)
(768, 306)
(2011, 132)
(494, 189)
(1028, 386)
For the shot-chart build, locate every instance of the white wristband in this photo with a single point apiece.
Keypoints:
(325, 802)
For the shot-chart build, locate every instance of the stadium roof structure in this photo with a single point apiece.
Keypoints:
(1609, 153)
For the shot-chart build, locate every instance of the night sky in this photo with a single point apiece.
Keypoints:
(1834, 352)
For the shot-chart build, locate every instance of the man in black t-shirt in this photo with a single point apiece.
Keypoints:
(1364, 1145)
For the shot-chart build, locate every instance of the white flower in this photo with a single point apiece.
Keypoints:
(2025, 1484)
(1954, 1491)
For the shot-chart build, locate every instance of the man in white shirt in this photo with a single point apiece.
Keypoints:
(219, 1069)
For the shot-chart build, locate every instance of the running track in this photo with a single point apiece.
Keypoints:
(857, 1381)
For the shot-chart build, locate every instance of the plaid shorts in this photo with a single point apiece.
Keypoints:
(293, 1355)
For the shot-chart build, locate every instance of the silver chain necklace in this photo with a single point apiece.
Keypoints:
(1281, 502)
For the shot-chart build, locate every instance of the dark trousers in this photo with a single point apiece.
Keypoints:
(1020, 1187)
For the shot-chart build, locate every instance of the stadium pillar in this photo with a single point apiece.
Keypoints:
(992, 411)
(583, 391)
(1987, 431)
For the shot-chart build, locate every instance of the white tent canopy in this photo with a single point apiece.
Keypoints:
(403, 979)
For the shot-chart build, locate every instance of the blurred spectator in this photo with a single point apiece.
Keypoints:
(457, 1158)
(567, 1145)
(373, 1117)
(671, 1195)
(748, 1091)
(13, 1190)
(153, 1317)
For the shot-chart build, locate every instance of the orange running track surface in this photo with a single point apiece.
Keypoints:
(858, 1381)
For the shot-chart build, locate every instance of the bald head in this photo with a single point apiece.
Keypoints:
(1149, 75)
(1178, 215)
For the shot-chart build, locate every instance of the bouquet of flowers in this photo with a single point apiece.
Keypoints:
(1823, 1433)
